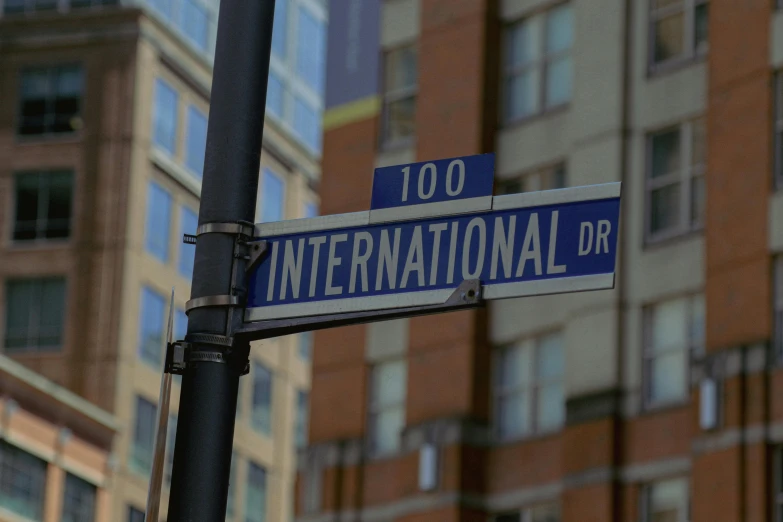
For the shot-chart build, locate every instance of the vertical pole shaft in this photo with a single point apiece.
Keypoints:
(205, 431)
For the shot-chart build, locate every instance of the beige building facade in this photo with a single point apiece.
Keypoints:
(55, 451)
(102, 136)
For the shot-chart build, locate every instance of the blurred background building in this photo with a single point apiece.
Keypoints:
(103, 124)
(658, 401)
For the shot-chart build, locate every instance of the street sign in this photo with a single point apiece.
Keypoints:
(455, 185)
(515, 245)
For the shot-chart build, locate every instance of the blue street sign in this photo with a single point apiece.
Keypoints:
(446, 186)
(525, 244)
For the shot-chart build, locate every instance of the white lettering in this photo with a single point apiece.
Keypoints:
(360, 260)
(316, 243)
(416, 250)
(406, 174)
(270, 292)
(333, 262)
(503, 245)
(460, 183)
(604, 227)
(531, 249)
(292, 268)
(475, 223)
(585, 246)
(436, 229)
(551, 267)
(452, 252)
(433, 179)
(388, 257)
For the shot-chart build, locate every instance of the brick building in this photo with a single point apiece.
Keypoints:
(658, 401)
(103, 119)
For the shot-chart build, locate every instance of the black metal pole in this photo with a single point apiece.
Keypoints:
(205, 431)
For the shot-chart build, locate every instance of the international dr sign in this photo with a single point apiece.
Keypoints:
(431, 226)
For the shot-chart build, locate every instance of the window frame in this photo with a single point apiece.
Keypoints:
(44, 187)
(158, 83)
(267, 172)
(645, 501)
(35, 311)
(551, 170)
(690, 51)
(51, 69)
(150, 246)
(531, 389)
(541, 64)
(403, 93)
(12, 459)
(687, 173)
(197, 169)
(135, 463)
(302, 419)
(80, 481)
(251, 467)
(255, 423)
(692, 351)
(374, 410)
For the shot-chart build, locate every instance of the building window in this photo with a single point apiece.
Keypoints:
(171, 436)
(272, 197)
(310, 210)
(255, 494)
(22, 482)
(21, 6)
(779, 130)
(262, 400)
(310, 52)
(51, 100)
(135, 515)
(666, 501)
(549, 178)
(196, 141)
(541, 513)
(675, 199)
(673, 333)
(158, 219)
(34, 315)
(80, 4)
(143, 444)
(164, 116)
(779, 305)
(400, 83)
(302, 410)
(274, 94)
(529, 395)
(538, 68)
(305, 345)
(307, 124)
(678, 30)
(388, 383)
(280, 29)
(43, 205)
(195, 23)
(79, 500)
(151, 326)
(187, 252)
(232, 487)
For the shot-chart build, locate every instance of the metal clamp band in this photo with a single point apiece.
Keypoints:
(217, 340)
(226, 228)
(212, 300)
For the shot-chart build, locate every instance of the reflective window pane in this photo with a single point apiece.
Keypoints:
(22, 482)
(559, 29)
(400, 119)
(272, 197)
(665, 153)
(665, 208)
(668, 377)
(701, 33)
(78, 500)
(523, 42)
(523, 94)
(513, 415)
(401, 69)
